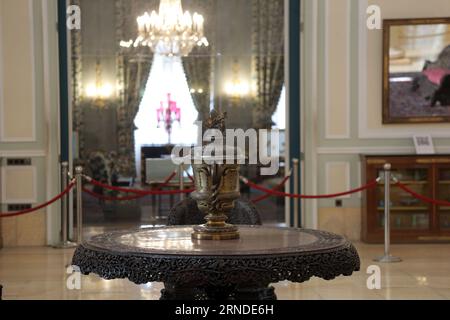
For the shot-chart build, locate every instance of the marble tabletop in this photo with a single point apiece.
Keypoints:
(262, 255)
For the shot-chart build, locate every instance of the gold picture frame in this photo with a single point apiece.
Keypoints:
(412, 94)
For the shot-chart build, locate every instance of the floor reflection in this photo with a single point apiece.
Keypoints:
(40, 273)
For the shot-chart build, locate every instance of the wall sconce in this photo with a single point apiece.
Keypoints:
(237, 88)
(99, 91)
(95, 91)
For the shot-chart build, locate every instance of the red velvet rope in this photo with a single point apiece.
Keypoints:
(127, 198)
(277, 187)
(421, 197)
(300, 196)
(136, 191)
(19, 213)
(189, 176)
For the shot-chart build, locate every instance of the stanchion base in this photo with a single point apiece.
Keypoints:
(66, 245)
(387, 259)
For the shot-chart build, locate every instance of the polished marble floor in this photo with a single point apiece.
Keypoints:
(40, 273)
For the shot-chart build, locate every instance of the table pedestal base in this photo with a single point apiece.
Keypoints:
(174, 292)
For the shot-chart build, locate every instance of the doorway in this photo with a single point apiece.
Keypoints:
(115, 96)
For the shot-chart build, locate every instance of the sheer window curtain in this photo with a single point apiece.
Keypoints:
(166, 76)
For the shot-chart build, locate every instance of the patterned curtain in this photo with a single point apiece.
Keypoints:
(268, 55)
(133, 68)
(76, 76)
(198, 65)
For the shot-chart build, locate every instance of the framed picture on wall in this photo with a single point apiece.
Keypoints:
(416, 70)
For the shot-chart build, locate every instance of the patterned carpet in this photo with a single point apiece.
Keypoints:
(407, 102)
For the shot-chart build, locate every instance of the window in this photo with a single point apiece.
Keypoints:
(279, 117)
(166, 77)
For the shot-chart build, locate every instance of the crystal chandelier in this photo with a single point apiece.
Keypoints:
(170, 32)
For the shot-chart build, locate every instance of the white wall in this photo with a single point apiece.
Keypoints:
(343, 102)
(29, 118)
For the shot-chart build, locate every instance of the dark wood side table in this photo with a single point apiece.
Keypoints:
(219, 270)
(412, 220)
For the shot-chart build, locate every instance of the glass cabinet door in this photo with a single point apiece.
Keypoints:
(407, 213)
(443, 193)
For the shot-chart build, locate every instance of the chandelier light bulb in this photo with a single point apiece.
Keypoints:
(126, 44)
(237, 89)
(94, 92)
(187, 20)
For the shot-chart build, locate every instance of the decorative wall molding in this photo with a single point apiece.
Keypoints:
(287, 209)
(329, 135)
(362, 67)
(380, 133)
(310, 102)
(47, 103)
(2, 102)
(349, 68)
(23, 153)
(302, 113)
(358, 179)
(375, 150)
(328, 166)
(50, 83)
(32, 138)
(4, 184)
(314, 50)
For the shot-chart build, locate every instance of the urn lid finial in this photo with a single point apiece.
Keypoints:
(216, 120)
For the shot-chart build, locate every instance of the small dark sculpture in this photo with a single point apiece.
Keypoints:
(442, 94)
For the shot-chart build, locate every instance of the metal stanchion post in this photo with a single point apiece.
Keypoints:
(181, 174)
(387, 257)
(65, 243)
(79, 186)
(295, 164)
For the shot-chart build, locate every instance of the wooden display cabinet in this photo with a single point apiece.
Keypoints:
(412, 220)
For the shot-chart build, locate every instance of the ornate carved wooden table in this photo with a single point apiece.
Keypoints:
(233, 269)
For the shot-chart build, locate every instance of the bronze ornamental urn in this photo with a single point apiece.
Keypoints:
(217, 187)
